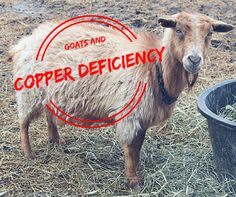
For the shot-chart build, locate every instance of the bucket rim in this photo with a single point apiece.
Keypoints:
(206, 112)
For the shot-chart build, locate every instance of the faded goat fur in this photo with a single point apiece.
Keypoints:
(186, 40)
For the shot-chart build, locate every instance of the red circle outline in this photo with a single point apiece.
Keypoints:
(83, 16)
(98, 21)
(79, 23)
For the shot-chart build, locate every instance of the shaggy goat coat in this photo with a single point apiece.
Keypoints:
(91, 97)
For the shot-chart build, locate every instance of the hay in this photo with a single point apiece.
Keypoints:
(228, 112)
(176, 156)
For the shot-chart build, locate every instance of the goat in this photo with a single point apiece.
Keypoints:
(186, 40)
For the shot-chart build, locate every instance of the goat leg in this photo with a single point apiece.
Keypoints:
(132, 156)
(53, 134)
(24, 138)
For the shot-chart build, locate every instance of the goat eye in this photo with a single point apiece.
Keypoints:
(178, 31)
(209, 34)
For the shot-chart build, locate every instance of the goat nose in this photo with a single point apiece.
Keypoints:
(194, 59)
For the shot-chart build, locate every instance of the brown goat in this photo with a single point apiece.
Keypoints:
(186, 40)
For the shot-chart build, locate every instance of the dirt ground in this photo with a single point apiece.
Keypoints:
(177, 156)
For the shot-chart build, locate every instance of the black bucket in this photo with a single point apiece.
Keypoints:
(222, 131)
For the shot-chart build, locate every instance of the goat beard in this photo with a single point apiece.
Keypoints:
(191, 79)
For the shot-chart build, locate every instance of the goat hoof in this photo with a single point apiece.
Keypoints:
(59, 141)
(62, 141)
(133, 182)
(27, 151)
(29, 155)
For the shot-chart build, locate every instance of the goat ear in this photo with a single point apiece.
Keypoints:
(220, 26)
(167, 22)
